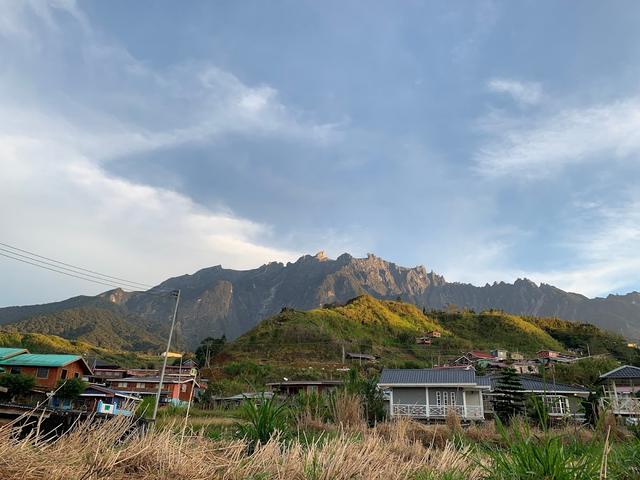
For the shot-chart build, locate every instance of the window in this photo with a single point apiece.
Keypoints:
(183, 387)
(438, 398)
(42, 372)
(140, 385)
(557, 404)
(15, 370)
(63, 376)
(452, 396)
(76, 375)
(122, 384)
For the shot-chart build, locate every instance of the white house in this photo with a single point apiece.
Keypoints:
(433, 393)
(622, 391)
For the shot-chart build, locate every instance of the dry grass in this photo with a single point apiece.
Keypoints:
(106, 451)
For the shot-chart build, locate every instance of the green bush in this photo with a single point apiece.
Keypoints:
(17, 384)
(71, 388)
(264, 418)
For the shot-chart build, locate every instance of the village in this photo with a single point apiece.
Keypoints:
(468, 386)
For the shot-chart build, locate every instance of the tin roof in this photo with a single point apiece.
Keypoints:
(42, 360)
(539, 385)
(428, 376)
(7, 352)
(625, 371)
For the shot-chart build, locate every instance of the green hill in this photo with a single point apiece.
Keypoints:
(103, 327)
(40, 343)
(389, 329)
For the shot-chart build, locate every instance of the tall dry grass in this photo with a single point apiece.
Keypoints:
(108, 450)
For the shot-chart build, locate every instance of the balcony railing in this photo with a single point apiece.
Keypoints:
(622, 405)
(436, 411)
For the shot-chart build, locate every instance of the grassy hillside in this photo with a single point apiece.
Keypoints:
(40, 343)
(105, 328)
(389, 328)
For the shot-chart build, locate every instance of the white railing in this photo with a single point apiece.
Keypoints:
(437, 411)
(622, 405)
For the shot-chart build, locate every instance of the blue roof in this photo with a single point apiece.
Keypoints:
(428, 376)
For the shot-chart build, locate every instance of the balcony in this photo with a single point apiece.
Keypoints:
(622, 405)
(436, 411)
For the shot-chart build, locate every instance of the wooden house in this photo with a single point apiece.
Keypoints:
(47, 369)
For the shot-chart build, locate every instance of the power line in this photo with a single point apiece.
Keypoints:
(64, 268)
(73, 266)
(59, 271)
(159, 293)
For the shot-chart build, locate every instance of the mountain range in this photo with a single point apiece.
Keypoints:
(216, 301)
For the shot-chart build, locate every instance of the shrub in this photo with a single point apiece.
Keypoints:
(17, 385)
(264, 419)
(71, 388)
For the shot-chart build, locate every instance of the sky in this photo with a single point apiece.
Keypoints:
(485, 140)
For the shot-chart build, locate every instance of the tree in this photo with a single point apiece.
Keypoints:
(510, 398)
(209, 348)
(70, 389)
(17, 385)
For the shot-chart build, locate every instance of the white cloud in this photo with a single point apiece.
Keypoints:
(61, 201)
(532, 149)
(525, 93)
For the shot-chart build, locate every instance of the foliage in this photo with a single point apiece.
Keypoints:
(369, 393)
(509, 400)
(265, 417)
(585, 371)
(17, 384)
(529, 457)
(103, 327)
(145, 407)
(208, 349)
(591, 407)
(70, 388)
(538, 412)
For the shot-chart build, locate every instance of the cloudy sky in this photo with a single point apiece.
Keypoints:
(485, 140)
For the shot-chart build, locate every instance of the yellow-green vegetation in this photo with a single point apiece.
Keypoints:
(389, 329)
(40, 343)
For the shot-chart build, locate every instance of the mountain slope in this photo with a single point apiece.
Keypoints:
(106, 328)
(217, 301)
(387, 328)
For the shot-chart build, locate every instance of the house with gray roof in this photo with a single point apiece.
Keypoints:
(622, 391)
(561, 399)
(432, 393)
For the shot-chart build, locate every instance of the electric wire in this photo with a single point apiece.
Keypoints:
(78, 275)
(74, 266)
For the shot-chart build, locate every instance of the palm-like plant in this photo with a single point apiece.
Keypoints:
(265, 417)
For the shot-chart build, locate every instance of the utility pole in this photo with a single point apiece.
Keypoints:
(343, 355)
(175, 293)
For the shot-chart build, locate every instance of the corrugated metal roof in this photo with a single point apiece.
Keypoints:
(625, 371)
(537, 384)
(426, 376)
(40, 360)
(6, 352)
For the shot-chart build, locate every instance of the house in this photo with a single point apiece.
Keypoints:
(293, 387)
(499, 354)
(103, 371)
(425, 340)
(473, 357)
(174, 390)
(100, 399)
(525, 367)
(516, 356)
(47, 369)
(561, 399)
(360, 357)
(236, 400)
(622, 391)
(432, 393)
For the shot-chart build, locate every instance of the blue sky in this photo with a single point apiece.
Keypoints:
(485, 140)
